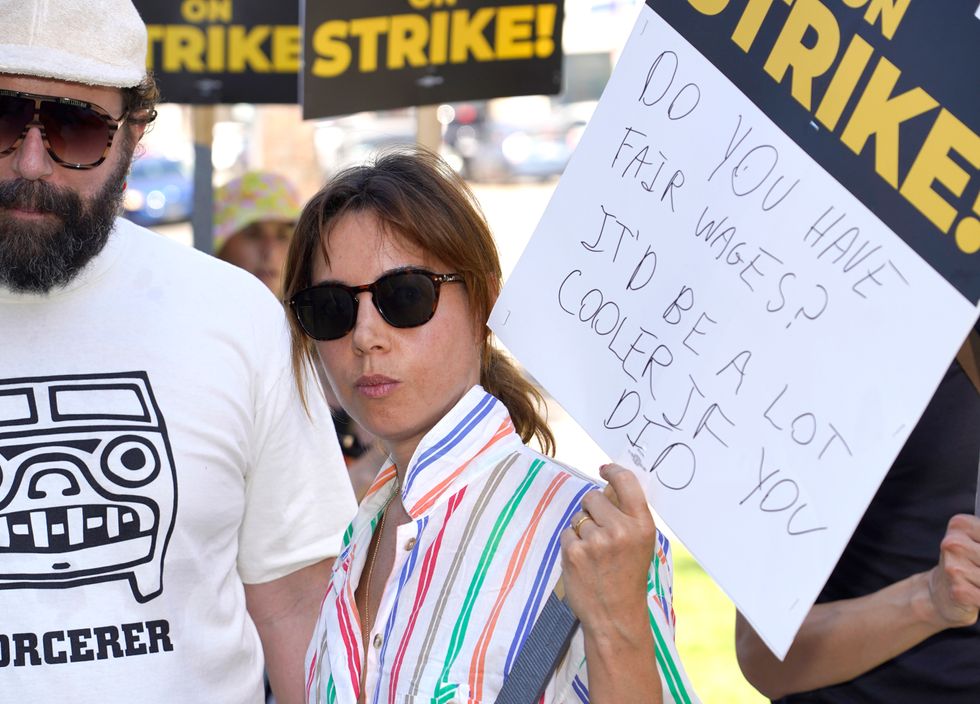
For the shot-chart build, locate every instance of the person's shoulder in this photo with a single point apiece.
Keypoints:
(143, 242)
(193, 271)
(164, 252)
(574, 477)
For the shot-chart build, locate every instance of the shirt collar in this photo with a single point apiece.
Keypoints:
(443, 461)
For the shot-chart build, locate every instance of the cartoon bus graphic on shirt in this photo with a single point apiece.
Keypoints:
(88, 488)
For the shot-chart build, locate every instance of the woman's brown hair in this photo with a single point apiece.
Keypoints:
(418, 197)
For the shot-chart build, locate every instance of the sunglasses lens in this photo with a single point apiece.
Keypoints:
(325, 312)
(77, 135)
(406, 299)
(15, 113)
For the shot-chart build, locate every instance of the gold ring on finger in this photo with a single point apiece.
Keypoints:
(579, 522)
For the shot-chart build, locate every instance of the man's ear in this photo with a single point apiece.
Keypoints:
(138, 129)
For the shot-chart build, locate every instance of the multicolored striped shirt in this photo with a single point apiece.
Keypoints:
(472, 571)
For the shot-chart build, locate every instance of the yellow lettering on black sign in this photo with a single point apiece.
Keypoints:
(224, 48)
(876, 119)
(450, 36)
(220, 46)
(197, 11)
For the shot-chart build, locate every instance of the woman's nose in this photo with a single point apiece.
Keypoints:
(371, 332)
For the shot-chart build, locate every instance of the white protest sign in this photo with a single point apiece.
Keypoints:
(726, 319)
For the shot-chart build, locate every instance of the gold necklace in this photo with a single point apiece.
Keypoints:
(370, 571)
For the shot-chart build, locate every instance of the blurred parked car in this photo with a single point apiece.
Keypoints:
(355, 139)
(539, 147)
(159, 190)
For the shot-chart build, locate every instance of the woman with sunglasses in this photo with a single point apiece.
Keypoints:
(390, 277)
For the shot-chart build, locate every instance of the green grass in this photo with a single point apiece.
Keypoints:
(706, 635)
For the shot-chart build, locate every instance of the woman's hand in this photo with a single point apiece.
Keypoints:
(606, 556)
(606, 553)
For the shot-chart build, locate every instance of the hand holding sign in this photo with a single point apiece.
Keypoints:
(954, 584)
(605, 562)
(606, 552)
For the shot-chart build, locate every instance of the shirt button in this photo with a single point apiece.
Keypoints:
(410, 544)
(377, 640)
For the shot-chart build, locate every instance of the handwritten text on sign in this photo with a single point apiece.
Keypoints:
(723, 317)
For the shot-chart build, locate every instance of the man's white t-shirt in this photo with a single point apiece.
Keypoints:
(154, 456)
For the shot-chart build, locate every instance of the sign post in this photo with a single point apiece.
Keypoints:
(202, 126)
(428, 132)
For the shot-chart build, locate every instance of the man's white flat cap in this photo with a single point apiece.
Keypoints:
(97, 42)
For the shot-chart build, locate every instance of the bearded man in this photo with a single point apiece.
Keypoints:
(168, 507)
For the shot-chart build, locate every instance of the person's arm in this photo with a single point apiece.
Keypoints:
(841, 640)
(605, 566)
(285, 611)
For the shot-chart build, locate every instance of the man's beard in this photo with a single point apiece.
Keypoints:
(38, 256)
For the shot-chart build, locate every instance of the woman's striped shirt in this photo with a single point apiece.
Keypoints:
(472, 571)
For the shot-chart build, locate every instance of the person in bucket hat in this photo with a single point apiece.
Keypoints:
(254, 216)
(169, 510)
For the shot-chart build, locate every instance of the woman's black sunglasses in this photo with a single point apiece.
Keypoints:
(405, 298)
(77, 135)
